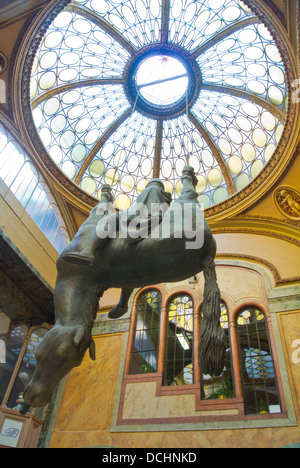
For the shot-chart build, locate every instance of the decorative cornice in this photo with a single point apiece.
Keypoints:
(275, 273)
(269, 219)
(283, 229)
(298, 34)
(259, 232)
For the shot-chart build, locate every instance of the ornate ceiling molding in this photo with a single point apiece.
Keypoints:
(284, 229)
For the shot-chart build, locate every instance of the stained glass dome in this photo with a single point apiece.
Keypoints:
(123, 91)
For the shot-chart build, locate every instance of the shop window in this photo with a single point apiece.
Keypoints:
(4, 327)
(146, 337)
(179, 359)
(18, 363)
(260, 391)
(14, 342)
(25, 371)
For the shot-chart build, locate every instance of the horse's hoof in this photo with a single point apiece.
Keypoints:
(117, 312)
(77, 259)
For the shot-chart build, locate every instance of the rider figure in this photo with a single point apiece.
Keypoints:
(154, 193)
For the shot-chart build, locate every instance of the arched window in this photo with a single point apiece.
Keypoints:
(144, 356)
(260, 390)
(179, 356)
(164, 340)
(223, 386)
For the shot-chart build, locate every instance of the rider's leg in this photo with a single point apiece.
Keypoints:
(86, 256)
(98, 240)
(189, 182)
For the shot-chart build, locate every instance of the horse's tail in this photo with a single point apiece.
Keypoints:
(212, 345)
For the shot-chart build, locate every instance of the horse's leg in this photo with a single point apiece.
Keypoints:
(212, 345)
(122, 307)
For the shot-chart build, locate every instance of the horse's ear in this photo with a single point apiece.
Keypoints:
(79, 335)
(92, 350)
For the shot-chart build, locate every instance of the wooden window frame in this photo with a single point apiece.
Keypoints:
(30, 330)
(209, 407)
(30, 423)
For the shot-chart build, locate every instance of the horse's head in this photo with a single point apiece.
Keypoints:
(62, 348)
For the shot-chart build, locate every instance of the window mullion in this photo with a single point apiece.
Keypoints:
(237, 376)
(197, 374)
(162, 339)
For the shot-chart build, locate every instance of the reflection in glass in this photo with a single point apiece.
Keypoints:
(257, 366)
(146, 338)
(13, 348)
(221, 387)
(179, 366)
(26, 369)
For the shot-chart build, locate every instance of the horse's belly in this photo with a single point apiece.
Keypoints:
(150, 262)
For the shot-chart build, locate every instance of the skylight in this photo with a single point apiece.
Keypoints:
(122, 92)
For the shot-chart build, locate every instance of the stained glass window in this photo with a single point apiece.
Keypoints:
(179, 366)
(126, 91)
(146, 335)
(221, 387)
(165, 343)
(260, 389)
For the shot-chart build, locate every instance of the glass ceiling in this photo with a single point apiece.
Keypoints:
(124, 91)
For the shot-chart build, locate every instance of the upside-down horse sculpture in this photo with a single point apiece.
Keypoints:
(93, 263)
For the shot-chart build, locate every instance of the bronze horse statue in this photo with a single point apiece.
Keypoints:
(90, 265)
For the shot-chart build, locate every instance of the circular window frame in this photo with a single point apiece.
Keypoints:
(154, 111)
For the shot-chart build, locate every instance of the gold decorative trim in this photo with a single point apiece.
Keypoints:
(259, 232)
(276, 275)
(283, 229)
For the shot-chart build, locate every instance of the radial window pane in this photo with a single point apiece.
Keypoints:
(122, 166)
(139, 21)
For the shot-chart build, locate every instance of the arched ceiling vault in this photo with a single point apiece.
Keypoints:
(209, 95)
